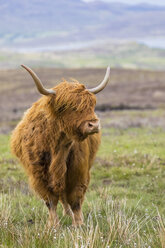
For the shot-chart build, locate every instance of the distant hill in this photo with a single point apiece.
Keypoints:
(39, 22)
(119, 55)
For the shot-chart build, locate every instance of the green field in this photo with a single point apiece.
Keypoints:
(124, 205)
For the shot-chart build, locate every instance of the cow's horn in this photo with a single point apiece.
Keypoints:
(38, 83)
(102, 85)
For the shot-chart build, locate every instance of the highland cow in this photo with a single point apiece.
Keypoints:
(56, 142)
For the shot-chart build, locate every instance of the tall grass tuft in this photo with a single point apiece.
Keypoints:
(108, 223)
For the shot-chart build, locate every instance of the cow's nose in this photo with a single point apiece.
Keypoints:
(94, 126)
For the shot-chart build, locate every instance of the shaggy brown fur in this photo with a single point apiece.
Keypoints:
(53, 151)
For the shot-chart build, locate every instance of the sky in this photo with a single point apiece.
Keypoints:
(155, 2)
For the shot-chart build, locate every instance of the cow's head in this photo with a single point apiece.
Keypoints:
(73, 105)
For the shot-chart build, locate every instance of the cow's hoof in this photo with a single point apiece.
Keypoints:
(53, 224)
(78, 223)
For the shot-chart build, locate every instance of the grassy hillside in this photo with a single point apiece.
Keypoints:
(119, 54)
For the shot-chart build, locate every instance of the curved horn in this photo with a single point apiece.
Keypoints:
(102, 85)
(38, 83)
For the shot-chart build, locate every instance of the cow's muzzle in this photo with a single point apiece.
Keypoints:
(92, 127)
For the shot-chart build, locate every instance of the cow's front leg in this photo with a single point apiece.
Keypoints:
(53, 220)
(78, 215)
(75, 200)
(66, 207)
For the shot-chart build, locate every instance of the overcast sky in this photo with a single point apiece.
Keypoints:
(155, 2)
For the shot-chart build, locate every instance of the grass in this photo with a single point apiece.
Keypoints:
(124, 206)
